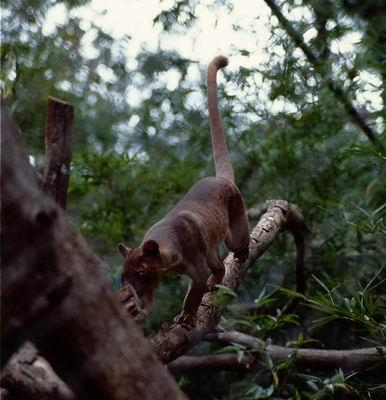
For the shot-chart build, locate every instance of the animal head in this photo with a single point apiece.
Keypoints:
(140, 276)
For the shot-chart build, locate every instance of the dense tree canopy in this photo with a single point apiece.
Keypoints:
(140, 143)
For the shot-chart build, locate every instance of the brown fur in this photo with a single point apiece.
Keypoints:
(186, 240)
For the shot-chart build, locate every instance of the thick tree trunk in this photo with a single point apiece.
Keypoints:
(27, 374)
(55, 294)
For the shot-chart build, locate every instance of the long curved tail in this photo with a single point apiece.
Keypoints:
(222, 161)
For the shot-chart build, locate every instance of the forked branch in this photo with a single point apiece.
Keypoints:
(280, 215)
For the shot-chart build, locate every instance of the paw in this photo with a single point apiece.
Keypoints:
(242, 255)
(140, 317)
(131, 309)
(213, 281)
(131, 303)
(185, 320)
(211, 287)
(211, 284)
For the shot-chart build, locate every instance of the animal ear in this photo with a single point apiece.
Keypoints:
(124, 250)
(150, 249)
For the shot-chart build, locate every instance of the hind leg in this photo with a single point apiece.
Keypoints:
(237, 239)
(217, 268)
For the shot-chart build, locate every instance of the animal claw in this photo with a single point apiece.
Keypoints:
(185, 320)
(242, 256)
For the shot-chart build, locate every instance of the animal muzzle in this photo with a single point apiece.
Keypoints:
(130, 301)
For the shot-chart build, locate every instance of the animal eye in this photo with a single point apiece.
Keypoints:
(139, 274)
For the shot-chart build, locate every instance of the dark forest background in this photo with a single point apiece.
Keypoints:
(132, 163)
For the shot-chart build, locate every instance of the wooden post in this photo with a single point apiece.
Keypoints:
(58, 149)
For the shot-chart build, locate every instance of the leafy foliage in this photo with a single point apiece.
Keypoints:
(140, 142)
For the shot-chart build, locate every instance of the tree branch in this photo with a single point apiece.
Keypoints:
(55, 294)
(355, 359)
(171, 343)
(335, 87)
(228, 361)
(29, 376)
(349, 360)
(58, 150)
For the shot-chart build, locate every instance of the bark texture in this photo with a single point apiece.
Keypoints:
(55, 294)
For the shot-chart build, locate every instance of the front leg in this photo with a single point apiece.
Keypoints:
(218, 270)
(192, 301)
